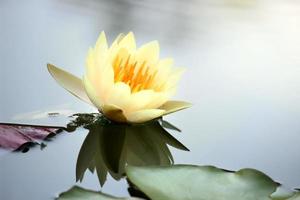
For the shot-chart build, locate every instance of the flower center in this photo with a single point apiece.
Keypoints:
(138, 75)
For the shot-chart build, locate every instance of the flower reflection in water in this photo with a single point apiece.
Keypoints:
(109, 146)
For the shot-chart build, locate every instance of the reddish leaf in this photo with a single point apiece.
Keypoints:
(13, 136)
(38, 133)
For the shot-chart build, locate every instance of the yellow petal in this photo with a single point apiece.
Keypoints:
(128, 42)
(119, 95)
(100, 52)
(158, 99)
(114, 48)
(103, 80)
(166, 62)
(90, 63)
(70, 82)
(93, 95)
(173, 78)
(114, 113)
(174, 106)
(101, 42)
(101, 76)
(149, 52)
(163, 72)
(140, 100)
(144, 115)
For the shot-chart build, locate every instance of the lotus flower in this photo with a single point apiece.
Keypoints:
(125, 83)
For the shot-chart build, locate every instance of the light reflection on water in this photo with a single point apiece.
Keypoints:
(109, 147)
(243, 79)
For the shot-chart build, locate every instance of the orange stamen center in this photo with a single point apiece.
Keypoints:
(137, 75)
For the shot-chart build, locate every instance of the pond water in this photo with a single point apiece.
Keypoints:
(243, 69)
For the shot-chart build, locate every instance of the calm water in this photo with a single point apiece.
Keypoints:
(243, 77)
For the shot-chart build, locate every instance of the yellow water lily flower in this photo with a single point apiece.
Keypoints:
(125, 83)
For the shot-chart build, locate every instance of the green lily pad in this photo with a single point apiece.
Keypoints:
(295, 197)
(201, 182)
(78, 193)
(282, 193)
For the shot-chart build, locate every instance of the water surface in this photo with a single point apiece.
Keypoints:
(243, 69)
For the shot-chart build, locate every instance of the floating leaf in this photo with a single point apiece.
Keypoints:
(192, 182)
(15, 136)
(282, 193)
(295, 197)
(78, 193)
(201, 183)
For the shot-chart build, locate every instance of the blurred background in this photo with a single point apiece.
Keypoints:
(243, 74)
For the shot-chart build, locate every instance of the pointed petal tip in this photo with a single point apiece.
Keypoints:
(131, 33)
(128, 41)
(54, 71)
(101, 41)
(174, 106)
(102, 34)
(50, 67)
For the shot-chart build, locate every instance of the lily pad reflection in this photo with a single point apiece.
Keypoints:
(109, 147)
